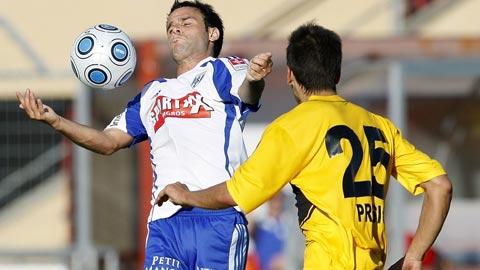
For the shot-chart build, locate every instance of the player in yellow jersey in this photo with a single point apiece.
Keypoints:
(338, 157)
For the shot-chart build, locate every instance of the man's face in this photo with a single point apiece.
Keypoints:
(186, 33)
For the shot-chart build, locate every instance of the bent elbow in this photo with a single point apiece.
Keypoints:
(108, 151)
(447, 188)
(443, 186)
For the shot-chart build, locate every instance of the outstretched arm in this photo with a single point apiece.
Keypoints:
(252, 87)
(215, 197)
(436, 203)
(103, 142)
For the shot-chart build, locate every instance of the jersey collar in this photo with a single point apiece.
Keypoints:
(331, 98)
(203, 61)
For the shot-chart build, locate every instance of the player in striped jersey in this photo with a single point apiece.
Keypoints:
(338, 157)
(194, 125)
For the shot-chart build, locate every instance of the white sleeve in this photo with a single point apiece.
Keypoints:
(130, 121)
(237, 68)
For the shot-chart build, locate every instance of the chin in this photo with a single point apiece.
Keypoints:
(179, 53)
(177, 57)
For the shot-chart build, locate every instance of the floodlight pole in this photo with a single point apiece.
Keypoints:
(397, 103)
(84, 255)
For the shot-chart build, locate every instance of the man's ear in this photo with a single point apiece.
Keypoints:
(290, 77)
(213, 34)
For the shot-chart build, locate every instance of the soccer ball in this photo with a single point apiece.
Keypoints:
(103, 57)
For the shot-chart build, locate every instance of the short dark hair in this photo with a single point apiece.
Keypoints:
(210, 18)
(314, 54)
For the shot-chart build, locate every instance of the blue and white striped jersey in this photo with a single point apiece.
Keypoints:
(194, 124)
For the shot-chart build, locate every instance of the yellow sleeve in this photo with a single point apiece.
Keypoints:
(412, 167)
(273, 164)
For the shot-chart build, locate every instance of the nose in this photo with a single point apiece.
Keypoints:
(174, 29)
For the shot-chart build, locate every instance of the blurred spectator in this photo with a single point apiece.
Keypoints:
(253, 262)
(295, 241)
(269, 233)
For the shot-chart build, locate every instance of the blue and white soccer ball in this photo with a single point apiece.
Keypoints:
(103, 57)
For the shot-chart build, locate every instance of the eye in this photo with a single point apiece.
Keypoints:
(187, 22)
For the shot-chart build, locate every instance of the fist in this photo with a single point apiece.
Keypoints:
(260, 66)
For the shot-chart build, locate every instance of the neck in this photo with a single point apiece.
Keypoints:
(325, 92)
(190, 62)
(303, 96)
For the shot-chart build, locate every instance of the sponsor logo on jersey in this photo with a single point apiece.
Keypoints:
(237, 62)
(191, 105)
(164, 263)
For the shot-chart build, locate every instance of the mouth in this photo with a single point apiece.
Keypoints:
(176, 39)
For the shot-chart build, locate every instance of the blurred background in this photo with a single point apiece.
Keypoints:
(415, 61)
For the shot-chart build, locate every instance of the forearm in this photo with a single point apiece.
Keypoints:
(86, 137)
(215, 197)
(434, 212)
(251, 91)
(252, 87)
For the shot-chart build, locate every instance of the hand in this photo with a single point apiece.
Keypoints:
(397, 265)
(260, 66)
(407, 264)
(177, 193)
(412, 264)
(35, 109)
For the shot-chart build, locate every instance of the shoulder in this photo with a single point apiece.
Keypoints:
(389, 130)
(148, 90)
(287, 122)
(368, 117)
(232, 63)
(385, 123)
(301, 112)
(236, 62)
(153, 84)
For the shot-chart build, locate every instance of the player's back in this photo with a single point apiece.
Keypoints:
(341, 188)
(338, 158)
(348, 155)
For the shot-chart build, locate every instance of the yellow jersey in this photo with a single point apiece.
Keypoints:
(338, 157)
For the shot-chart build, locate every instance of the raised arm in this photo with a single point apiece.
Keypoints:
(252, 87)
(103, 142)
(436, 203)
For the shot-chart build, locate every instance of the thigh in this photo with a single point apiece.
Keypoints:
(222, 242)
(162, 250)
